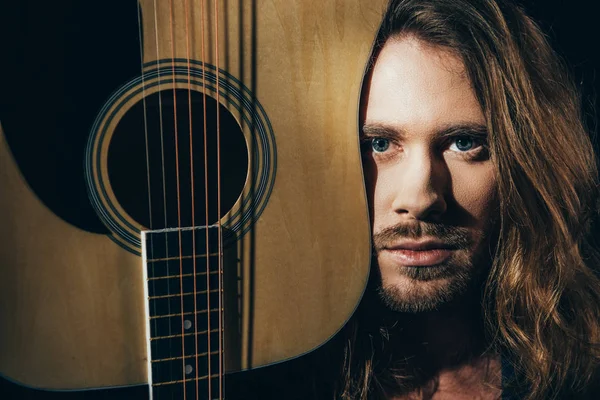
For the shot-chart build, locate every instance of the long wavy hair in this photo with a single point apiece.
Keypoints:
(541, 305)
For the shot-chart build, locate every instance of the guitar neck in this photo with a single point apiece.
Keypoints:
(185, 312)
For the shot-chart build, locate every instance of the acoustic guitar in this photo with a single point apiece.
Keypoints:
(208, 216)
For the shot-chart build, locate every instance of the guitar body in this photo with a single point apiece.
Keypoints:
(285, 74)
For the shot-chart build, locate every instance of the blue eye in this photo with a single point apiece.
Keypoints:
(379, 145)
(463, 143)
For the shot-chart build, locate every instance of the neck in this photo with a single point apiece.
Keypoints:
(444, 348)
(448, 337)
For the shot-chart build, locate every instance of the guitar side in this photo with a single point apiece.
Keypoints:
(272, 382)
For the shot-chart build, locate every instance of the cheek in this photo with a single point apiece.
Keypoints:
(475, 192)
(382, 185)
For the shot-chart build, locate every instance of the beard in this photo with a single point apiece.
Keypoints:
(416, 289)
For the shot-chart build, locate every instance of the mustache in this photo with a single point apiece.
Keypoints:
(453, 236)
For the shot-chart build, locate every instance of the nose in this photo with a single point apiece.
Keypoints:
(420, 189)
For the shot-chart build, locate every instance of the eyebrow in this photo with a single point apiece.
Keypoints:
(376, 129)
(381, 130)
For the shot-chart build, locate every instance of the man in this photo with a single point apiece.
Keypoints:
(482, 186)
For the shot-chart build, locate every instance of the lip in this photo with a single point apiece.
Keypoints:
(425, 253)
(419, 258)
(421, 245)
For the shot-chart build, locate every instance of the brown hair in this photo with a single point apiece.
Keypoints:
(542, 297)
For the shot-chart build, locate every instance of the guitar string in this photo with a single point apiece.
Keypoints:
(144, 108)
(145, 118)
(219, 230)
(193, 219)
(163, 172)
(176, 136)
(206, 199)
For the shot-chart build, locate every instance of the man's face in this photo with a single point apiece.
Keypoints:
(429, 176)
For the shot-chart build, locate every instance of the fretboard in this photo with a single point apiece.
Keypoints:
(185, 313)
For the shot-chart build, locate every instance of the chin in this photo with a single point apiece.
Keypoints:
(415, 290)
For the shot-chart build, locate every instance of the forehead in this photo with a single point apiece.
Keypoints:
(414, 84)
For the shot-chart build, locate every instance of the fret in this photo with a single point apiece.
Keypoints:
(175, 382)
(167, 296)
(185, 284)
(169, 346)
(198, 274)
(176, 243)
(178, 370)
(198, 333)
(184, 335)
(201, 312)
(173, 305)
(175, 324)
(186, 357)
(175, 268)
(193, 389)
(177, 258)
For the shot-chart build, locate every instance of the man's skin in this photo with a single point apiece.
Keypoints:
(427, 166)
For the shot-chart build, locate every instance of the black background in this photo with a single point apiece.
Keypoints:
(61, 60)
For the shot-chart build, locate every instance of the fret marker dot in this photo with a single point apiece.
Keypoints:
(187, 324)
(188, 369)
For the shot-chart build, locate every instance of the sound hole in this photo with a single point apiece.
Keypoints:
(168, 204)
